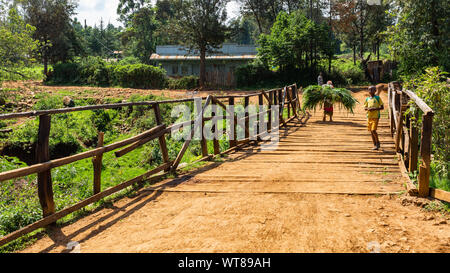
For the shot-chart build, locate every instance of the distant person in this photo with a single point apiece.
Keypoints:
(320, 79)
(328, 105)
(373, 105)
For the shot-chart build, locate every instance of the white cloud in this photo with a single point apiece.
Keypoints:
(93, 10)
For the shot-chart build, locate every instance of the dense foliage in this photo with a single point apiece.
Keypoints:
(187, 82)
(16, 43)
(316, 96)
(95, 71)
(420, 38)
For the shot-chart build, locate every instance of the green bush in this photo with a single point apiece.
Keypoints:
(254, 73)
(64, 73)
(139, 76)
(95, 71)
(188, 82)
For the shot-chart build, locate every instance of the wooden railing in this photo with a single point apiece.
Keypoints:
(286, 98)
(413, 141)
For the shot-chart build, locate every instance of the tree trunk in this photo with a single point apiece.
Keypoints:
(202, 66)
(378, 50)
(45, 60)
(354, 54)
(361, 42)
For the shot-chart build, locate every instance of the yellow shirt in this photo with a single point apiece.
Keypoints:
(374, 102)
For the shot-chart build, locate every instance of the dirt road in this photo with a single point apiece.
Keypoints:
(322, 190)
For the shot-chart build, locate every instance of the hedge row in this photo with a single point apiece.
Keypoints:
(95, 71)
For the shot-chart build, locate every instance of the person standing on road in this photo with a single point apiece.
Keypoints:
(373, 105)
(320, 79)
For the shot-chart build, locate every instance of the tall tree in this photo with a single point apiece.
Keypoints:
(16, 42)
(52, 19)
(421, 36)
(127, 8)
(201, 27)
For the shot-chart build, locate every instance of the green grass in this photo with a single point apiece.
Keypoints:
(34, 72)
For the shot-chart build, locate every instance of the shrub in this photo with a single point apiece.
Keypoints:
(188, 82)
(139, 76)
(129, 60)
(253, 74)
(93, 71)
(64, 73)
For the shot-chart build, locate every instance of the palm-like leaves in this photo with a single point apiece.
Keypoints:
(316, 95)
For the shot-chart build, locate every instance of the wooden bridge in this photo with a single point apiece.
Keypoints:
(311, 157)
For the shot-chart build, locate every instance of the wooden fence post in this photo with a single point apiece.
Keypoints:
(214, 129)
(269, 122)
(203, 142)
(399, 125)
(288, 90)
(161, 139)
(45, 187)
(414, 146)
(425, 152)
(247, 121)
(233, 132)
(260, 110)
(97, 162)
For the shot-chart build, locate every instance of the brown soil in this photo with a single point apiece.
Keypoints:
(30, 88)
(322, 190)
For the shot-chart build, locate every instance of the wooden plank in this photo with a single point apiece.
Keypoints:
(97, 162)
(62, 213)
(45, 187)
(419, 102)
(162, 138)
(440, 194)
(140, 143)
(425, 152)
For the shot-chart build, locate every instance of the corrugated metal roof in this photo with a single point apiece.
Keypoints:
(157, 57)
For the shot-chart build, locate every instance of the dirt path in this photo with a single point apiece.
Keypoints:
(322, 190)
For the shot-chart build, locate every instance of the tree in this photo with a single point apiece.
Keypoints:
(243, 30)
(127, 8)
(16, 42)
(378, 22)
(420, 38)
(288, 46)
(142, 31)
(52, 19)
(201, 27)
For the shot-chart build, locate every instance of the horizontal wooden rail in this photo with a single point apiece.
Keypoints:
(45, 165)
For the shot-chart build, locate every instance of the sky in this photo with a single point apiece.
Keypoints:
(94, 10)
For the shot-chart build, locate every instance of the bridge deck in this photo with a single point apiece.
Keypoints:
(316, 157)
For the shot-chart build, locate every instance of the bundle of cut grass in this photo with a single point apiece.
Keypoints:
(316, 95)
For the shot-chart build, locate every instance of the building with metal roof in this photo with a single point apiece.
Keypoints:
(220, 64)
